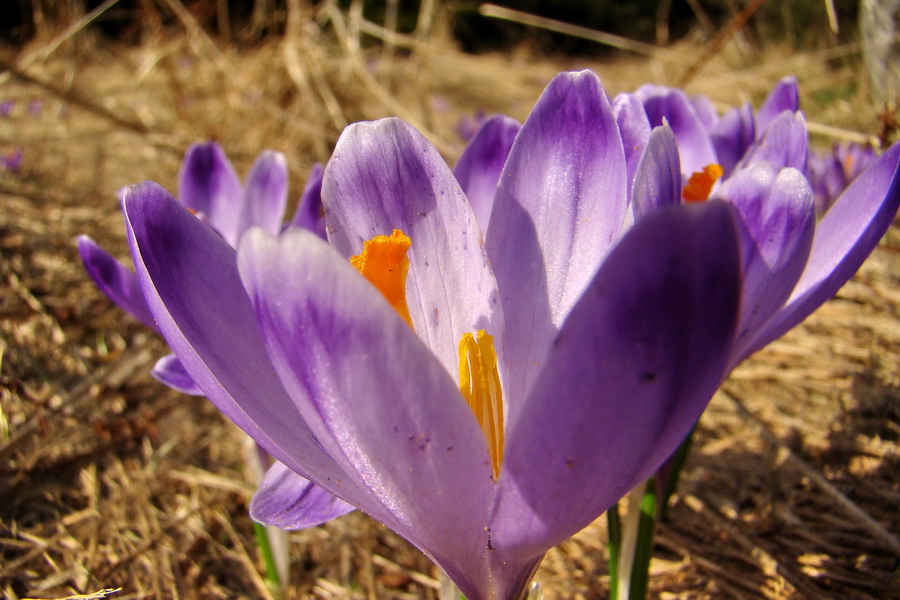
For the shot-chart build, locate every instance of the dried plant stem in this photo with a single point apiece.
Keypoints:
(715, 45)
(607, 39)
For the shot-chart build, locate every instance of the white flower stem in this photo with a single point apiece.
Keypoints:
(630, 527)
(631, 543)
(448, 589)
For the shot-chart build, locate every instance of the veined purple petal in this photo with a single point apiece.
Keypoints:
(385, 175)
(190, 277)
(265, 194)
(844, 237)
(375, 396)
(309, 214)
(210, 187)
(560, 206)
(777, 219)
(733, 135)
(635, 130)
(629, 374)
(169, 371)
(479, 167)
(784, 144)
(658, 180)
(694, 146)
(115, 280)
(289, 501)
(784, 97)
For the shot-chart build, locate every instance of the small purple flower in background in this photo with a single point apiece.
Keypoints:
(211, 190)
(6, 107)
(35, 107)
(831, 171)
(11, 161)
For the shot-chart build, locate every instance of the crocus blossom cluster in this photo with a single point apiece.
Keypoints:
(486, 359)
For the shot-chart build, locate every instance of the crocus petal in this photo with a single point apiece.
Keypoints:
(658, 180)
(265, 194)
(785, 96)
(169, 371)
(784, 144)
(844, 237)
(629, 374)
(115, 280)
(210, 187)
(309, 214)
(705, 110)
(374, 395)
(777, 221)
(559, 208)
(694, 146)
(186, 269)
(732, 136)
(289, 501)
(635, 130)
(478, 169)
(385, 175)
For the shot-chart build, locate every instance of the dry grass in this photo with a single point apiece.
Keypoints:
(108, 479)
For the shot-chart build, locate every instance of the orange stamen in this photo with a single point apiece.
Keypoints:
(384, 263)
(701, 183)
(479, 382)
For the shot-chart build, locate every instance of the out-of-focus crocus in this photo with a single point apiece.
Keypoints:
(831, 171)
(488, 393)
(6, 107)
(210, 189)
(11, 161)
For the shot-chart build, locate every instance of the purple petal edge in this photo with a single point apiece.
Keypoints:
(119, 283)
(289, 501)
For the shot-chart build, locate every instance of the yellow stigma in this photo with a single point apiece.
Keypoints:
(479, 383)
(384, 263)
(701, 183)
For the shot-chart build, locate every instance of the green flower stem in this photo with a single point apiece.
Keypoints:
(674, 468)
(614, 524)
(262, 541)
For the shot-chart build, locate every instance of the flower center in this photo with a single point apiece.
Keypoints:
(479, 382)
(384, 263)
(701, 183)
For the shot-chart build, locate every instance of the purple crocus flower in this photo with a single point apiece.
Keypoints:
(497, 389)
(764, 156)
(6, 107)
(831, 171)
(210, 188)
(741, 134)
